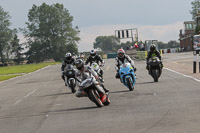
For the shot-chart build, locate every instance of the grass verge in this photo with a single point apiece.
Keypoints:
(6, 77)
(23, 68)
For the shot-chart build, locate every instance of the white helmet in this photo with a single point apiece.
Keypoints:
(92, 52)
(68, 56)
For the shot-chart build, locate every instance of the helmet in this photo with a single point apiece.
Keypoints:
(92, 52)
(152, 47)
(120, 53)
(79, 64)
(68, 56)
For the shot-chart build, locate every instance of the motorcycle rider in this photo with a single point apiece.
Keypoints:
(95, 58)
(84, 71)
(68, 60)
(153, 53)
(122, 58)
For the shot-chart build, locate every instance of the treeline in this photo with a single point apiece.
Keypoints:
(170, 44)
(49, 34)
(112, 44)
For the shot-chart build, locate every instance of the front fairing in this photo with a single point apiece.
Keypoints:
(154, 62)
(69, 71)
(127, 71)
(87, 82)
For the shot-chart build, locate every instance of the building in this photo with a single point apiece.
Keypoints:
(186, 35)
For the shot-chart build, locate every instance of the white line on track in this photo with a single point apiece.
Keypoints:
(183, 74)
(107, 67)
(30, 93)
(18, 101)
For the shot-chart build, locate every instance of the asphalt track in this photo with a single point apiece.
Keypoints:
(40, 103)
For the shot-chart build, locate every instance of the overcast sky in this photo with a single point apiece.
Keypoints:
(154, 19)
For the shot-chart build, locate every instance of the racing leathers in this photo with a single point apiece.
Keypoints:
(83, 74)
(122, 60)
(64, 64)
(95, 59)
(152, 54)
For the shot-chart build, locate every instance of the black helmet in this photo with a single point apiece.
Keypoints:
(152, 47)
(92, 52)
(79, 64)
(68, 56)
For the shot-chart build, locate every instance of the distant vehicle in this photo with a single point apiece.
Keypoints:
(196, 41)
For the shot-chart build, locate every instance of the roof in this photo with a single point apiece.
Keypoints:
(189, 22)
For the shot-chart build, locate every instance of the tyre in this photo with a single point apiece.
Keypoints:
(107, 101)
(95, 98)
(72, 86)
(155, 75)
(129, 83)
(155, 79)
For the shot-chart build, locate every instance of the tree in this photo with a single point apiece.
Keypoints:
(173, 44)
(107, 43)
(50, 33)
(17, 48)
(5, 35)
(170, 44)
(195, 9)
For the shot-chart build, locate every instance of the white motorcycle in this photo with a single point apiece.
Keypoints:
(97, 69)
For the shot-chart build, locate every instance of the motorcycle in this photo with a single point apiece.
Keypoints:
(93, 93)
(97, 69)
(70, 80)
(155, 69)
(127, 75)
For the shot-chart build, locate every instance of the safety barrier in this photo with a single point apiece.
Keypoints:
(196, 53)
(142, 55)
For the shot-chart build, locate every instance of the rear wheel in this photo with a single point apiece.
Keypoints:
(95, 98)
(130, 86)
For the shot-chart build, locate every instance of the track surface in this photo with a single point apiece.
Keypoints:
(40, 103)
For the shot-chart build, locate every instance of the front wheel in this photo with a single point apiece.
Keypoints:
(72, 86)
(93, 95)
(130, 85)
(155, 74)
(107, 102)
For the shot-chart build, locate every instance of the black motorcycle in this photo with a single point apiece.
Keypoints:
(70, 79)
(155, 68)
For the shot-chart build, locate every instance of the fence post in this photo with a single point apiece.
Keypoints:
(194, 62)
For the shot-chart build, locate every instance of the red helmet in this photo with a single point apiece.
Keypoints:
(120, 53)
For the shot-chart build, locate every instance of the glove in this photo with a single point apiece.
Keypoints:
(96, 77)
(135, 69)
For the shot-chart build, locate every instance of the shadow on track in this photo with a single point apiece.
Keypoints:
(150, 82)
(120, 91)
(58, 94)
(75, 109)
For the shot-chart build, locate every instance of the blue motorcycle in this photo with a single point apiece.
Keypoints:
(127, 75)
